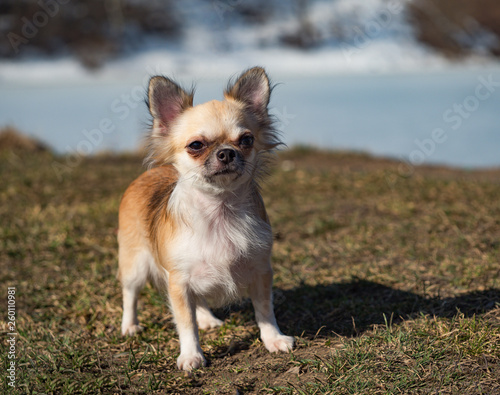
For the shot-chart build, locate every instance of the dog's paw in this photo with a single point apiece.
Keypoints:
(131, 330)
(279, 343)
(190, 361)
(208, 322)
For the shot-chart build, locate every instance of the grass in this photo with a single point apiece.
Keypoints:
(390, 284)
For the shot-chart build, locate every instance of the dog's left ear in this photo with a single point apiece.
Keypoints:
(252, 88)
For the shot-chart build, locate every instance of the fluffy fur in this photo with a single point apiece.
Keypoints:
(196, 224)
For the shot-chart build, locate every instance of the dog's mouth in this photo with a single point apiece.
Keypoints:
(222, 174)
(225, 174)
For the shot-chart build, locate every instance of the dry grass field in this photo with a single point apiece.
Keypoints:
(390, 284)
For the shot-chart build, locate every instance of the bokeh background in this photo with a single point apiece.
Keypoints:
(414, 80)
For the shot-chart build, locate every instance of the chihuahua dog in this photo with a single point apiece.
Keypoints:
(195, 223)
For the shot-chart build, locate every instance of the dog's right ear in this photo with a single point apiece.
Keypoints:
(166, 101)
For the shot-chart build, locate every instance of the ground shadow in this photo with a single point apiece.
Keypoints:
(351, 308)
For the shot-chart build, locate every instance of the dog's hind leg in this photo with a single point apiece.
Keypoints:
(134, 272)
(204, 317)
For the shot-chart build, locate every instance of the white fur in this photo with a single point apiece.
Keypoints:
(219, 243)
(204, 317)
(133, 281)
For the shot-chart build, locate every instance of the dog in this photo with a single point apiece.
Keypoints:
(195, 223)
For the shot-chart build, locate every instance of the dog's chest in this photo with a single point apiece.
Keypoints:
(220, 249)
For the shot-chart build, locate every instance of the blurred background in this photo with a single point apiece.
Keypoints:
(414, 80)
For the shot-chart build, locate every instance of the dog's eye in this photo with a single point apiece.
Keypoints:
(246, 141)
(196, 145)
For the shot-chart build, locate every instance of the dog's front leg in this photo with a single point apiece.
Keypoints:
(262, 300)
(184, 310)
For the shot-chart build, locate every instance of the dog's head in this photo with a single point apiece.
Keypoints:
(218, 143)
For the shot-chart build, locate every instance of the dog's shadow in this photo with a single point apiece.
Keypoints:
(349, 309)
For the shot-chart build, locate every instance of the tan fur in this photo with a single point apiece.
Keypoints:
(142, 215)
(197, 224)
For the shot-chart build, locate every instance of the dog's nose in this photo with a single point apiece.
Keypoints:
(226, 155)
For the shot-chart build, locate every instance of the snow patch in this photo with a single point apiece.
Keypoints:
(357, 36)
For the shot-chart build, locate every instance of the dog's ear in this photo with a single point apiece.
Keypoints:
(166, 101)
(252, 88)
